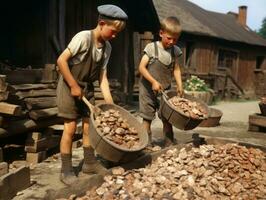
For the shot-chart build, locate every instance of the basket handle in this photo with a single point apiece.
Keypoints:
(92, 108)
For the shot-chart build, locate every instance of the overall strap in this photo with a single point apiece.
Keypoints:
(173, 55)
(156, 50)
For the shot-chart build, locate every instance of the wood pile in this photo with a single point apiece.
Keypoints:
(225, 171)
(38, 143)
(29, 104)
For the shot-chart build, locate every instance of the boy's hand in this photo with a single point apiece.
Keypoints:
(76, 91)
(156, 86)
(180, 92)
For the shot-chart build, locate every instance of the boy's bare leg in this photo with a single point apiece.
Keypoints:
(147, 126)
(67, 174)
(90, 164)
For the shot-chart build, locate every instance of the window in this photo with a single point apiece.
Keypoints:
(227, 59)
(259, 61)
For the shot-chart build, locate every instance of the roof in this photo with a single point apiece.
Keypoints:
(197, 20)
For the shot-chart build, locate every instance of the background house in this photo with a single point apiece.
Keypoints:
(216, 44)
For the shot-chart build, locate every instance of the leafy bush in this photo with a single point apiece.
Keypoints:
(196, 84)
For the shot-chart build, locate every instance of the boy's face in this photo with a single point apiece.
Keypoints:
(108, 32)
(168, 40)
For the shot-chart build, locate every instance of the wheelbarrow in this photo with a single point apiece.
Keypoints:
(214, 118)
(176, 118)
(108, 149)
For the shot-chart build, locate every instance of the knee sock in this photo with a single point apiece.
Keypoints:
(66, 162)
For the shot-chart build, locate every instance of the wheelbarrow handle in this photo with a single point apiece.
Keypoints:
(96, 110)
(164, 94)
(85, 100)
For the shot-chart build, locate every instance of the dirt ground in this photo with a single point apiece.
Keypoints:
(233, 126)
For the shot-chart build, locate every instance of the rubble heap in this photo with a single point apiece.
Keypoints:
(113, 127)
(210, 172)
(189, 108)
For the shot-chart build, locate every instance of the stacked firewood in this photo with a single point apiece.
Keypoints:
(30, 104)
(189, 108)
(111, 125)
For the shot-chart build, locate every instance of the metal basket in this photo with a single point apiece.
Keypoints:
(111, 151)
(214, 118)
(176, 118)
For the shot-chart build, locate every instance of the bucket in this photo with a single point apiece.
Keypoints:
(214, 118)
(110, 150)
(176, 118)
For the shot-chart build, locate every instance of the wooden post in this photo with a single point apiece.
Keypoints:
(3, 84)
(62, 10)
(126, 71)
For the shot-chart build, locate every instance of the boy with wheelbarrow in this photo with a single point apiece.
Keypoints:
(81, 63)
(159, 62)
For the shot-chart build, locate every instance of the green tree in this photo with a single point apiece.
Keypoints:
(262, 30)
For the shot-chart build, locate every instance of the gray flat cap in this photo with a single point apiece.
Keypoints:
(112, 12)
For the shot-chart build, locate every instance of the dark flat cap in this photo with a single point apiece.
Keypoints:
(112, 12)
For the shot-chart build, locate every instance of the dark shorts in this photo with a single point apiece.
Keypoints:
(70, 107)
(149, 102)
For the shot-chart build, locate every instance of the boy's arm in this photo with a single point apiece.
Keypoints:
(104, 85)
(178, 78)
(156, 86)
(62, 63)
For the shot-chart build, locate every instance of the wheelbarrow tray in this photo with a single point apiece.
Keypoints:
(214, 118)
(179, 119)
(110, 150)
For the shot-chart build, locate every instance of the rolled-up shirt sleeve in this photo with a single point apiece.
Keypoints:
(178, 51)
(149, 50)
(78, 44)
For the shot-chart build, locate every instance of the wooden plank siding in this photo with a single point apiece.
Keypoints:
(204, 60)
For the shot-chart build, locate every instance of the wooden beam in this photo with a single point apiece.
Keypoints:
(257, 120)
(40, 102)
(3, 84)
(10, 109)
(36, 93)
(26, 125)
(43, 113)
(23, 87)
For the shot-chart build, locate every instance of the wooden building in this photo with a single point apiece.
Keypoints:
(215, 42)
(212, 42)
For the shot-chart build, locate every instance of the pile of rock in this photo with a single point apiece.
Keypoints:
(191, 109)
(210, 172)
(111, 125)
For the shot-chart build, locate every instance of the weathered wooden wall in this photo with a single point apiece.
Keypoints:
(204, 59)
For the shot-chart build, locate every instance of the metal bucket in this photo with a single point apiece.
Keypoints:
(178, 119)
(214, 118)
(111, 151)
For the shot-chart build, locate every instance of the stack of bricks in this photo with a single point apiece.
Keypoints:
(38, 143)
